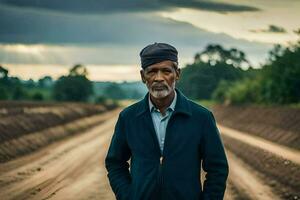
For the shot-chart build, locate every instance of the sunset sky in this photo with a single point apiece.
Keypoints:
(47, 37)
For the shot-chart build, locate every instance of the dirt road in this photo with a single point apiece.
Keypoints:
(74, 169)
(70, 169)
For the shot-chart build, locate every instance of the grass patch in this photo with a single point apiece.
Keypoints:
(206, 103)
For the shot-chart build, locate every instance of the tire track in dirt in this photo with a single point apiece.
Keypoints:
(246, 182)
(257, 142)
(278, 173)
(274, 164)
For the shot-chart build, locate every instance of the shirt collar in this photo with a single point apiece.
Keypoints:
(172, 105)
(182, 105)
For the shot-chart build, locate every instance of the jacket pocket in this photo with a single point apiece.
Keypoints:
(184, 190)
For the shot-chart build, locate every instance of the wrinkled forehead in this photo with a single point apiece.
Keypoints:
(167, 64)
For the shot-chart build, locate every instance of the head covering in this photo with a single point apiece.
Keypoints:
(157, 52)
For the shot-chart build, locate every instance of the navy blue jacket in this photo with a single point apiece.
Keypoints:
(191, 137)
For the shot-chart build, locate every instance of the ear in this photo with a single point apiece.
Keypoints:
(178, 72)
(142, 75)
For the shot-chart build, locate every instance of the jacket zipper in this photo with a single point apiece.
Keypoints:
(160, 180)
(161, 160)
(160, 169)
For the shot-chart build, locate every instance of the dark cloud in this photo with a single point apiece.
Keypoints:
(100, 39)
(271, 29)
(23, 26)
(211, 6)
(105, 6)
(276, 29)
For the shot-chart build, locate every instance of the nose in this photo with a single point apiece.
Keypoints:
(159, 76)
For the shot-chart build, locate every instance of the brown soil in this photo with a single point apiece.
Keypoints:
(246, 181)
(277, 124)
(69, 169)
(280, 174)
(17, 121)
(27, 126)
(287, 153)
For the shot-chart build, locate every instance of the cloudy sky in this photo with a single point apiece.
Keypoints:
(47, 37)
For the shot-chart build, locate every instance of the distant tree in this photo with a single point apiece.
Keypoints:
(277, 82)
(30, 84)
(3, 72)
(275, 53)
(214, 54)
(200, 79)
(3, 93)
(74, 87)
(114, 91)
(38, 96)
(220, 93)
(19, 93)
(45, 82)
(281, 77)
(101, 99)
(243, 91)
(78, 70)
(15, 88)
(4, 79)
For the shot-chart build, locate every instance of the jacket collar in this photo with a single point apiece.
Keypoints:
(182, 105)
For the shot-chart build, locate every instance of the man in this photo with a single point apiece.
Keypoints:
(166, 136)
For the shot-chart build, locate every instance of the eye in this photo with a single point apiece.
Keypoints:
(167, 71)
(151, 72)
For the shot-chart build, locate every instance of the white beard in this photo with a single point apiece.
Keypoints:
(159, 94)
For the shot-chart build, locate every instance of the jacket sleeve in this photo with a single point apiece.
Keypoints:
(214, 161)
(116, 162)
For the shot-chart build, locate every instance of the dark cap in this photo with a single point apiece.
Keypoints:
(157, 52)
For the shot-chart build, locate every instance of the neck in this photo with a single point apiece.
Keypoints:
(163, 103)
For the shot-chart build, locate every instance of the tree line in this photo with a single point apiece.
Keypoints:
(219, 74)
(72, 87)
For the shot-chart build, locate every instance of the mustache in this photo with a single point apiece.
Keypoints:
(154, 85)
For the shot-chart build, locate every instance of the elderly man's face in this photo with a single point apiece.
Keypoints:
(160, 78)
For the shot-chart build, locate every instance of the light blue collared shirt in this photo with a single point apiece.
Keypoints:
(160, 122)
